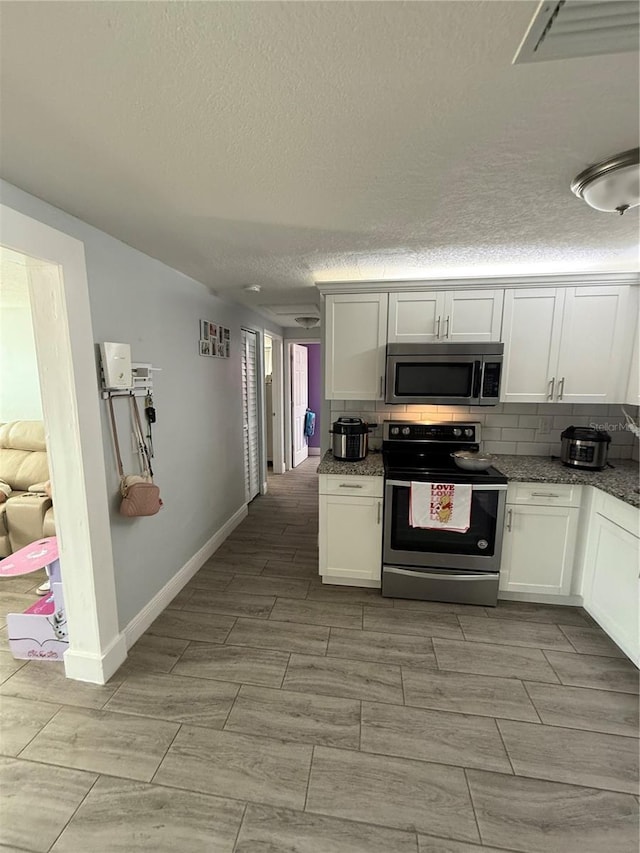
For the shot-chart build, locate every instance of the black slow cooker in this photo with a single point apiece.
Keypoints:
(350, 439)
(584, 447)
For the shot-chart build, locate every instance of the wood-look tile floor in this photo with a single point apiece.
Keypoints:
(266, 713)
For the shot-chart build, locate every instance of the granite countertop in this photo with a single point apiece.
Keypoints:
(370, 466)
(620, 482)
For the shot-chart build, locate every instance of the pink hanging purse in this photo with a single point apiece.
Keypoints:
(140, 495)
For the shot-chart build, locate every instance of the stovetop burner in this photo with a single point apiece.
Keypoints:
(422, 451)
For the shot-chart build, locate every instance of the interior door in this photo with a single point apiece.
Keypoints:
(299, 402)
(250, 414)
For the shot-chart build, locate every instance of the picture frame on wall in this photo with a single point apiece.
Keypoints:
(215, 340)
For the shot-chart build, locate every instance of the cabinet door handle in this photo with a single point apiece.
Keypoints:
(561, 389)
(446, 333)
(381, 385)
(509, 520)
(349, 486)
(438, 327)
(545, 495)
(379, 512)
(552, 385)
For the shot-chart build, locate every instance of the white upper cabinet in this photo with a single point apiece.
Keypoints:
(441, 316)
(633, 387)
(416, 318)
(355, 346)
(531, 334)
(595, 345)
(568, 345)
(473, 315)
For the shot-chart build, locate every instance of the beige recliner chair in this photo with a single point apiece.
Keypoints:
(27, 514)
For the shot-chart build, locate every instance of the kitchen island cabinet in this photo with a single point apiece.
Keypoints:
(538, 549)
(611, 584)
(350, 530)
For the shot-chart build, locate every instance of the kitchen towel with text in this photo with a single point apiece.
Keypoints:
(440, 506)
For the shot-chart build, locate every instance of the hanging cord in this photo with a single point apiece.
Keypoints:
(142, 445)
(150, 414)
(115, 439)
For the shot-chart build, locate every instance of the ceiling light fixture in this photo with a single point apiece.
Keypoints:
(612, 185)
(307, 322)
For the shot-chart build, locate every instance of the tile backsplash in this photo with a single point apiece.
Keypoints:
(520, 428)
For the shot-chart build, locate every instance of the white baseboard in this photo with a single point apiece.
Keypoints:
(534, 597)
(314, 451)
(96, 668)
(150, 612)
(341, 580)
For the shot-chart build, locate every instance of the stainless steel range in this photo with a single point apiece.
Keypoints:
(439, 564)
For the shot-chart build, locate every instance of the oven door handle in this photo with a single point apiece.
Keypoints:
(494, 487)
(450, 575)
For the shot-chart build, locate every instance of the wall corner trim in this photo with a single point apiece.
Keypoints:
(150, 612)
(97, 669)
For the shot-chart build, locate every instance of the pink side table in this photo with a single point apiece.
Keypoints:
(40, 633)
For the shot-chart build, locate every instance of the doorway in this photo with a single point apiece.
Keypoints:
(305, 370)
(58, 288)
(250, 414)
(273, 398)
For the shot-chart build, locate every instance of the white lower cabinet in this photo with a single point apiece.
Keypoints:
(610, 583)
(351, 530)
(538, 549)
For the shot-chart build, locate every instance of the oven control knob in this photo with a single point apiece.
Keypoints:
(468, 432)
(457, 431)
(394, 430)
(406, 431)
(482, 544)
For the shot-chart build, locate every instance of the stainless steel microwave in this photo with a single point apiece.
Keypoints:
(444, 374)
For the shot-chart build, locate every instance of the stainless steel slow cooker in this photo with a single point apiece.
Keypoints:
(583, 447)
(349, 439)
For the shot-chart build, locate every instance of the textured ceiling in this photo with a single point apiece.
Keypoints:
(285, 143)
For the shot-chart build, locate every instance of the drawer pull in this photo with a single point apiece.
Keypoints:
(545, 495)
(349, 486)
(509, 520)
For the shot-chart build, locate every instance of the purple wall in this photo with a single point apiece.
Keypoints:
(313, 351)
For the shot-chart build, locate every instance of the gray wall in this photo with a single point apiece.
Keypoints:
(198, 436)
(297, 333)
